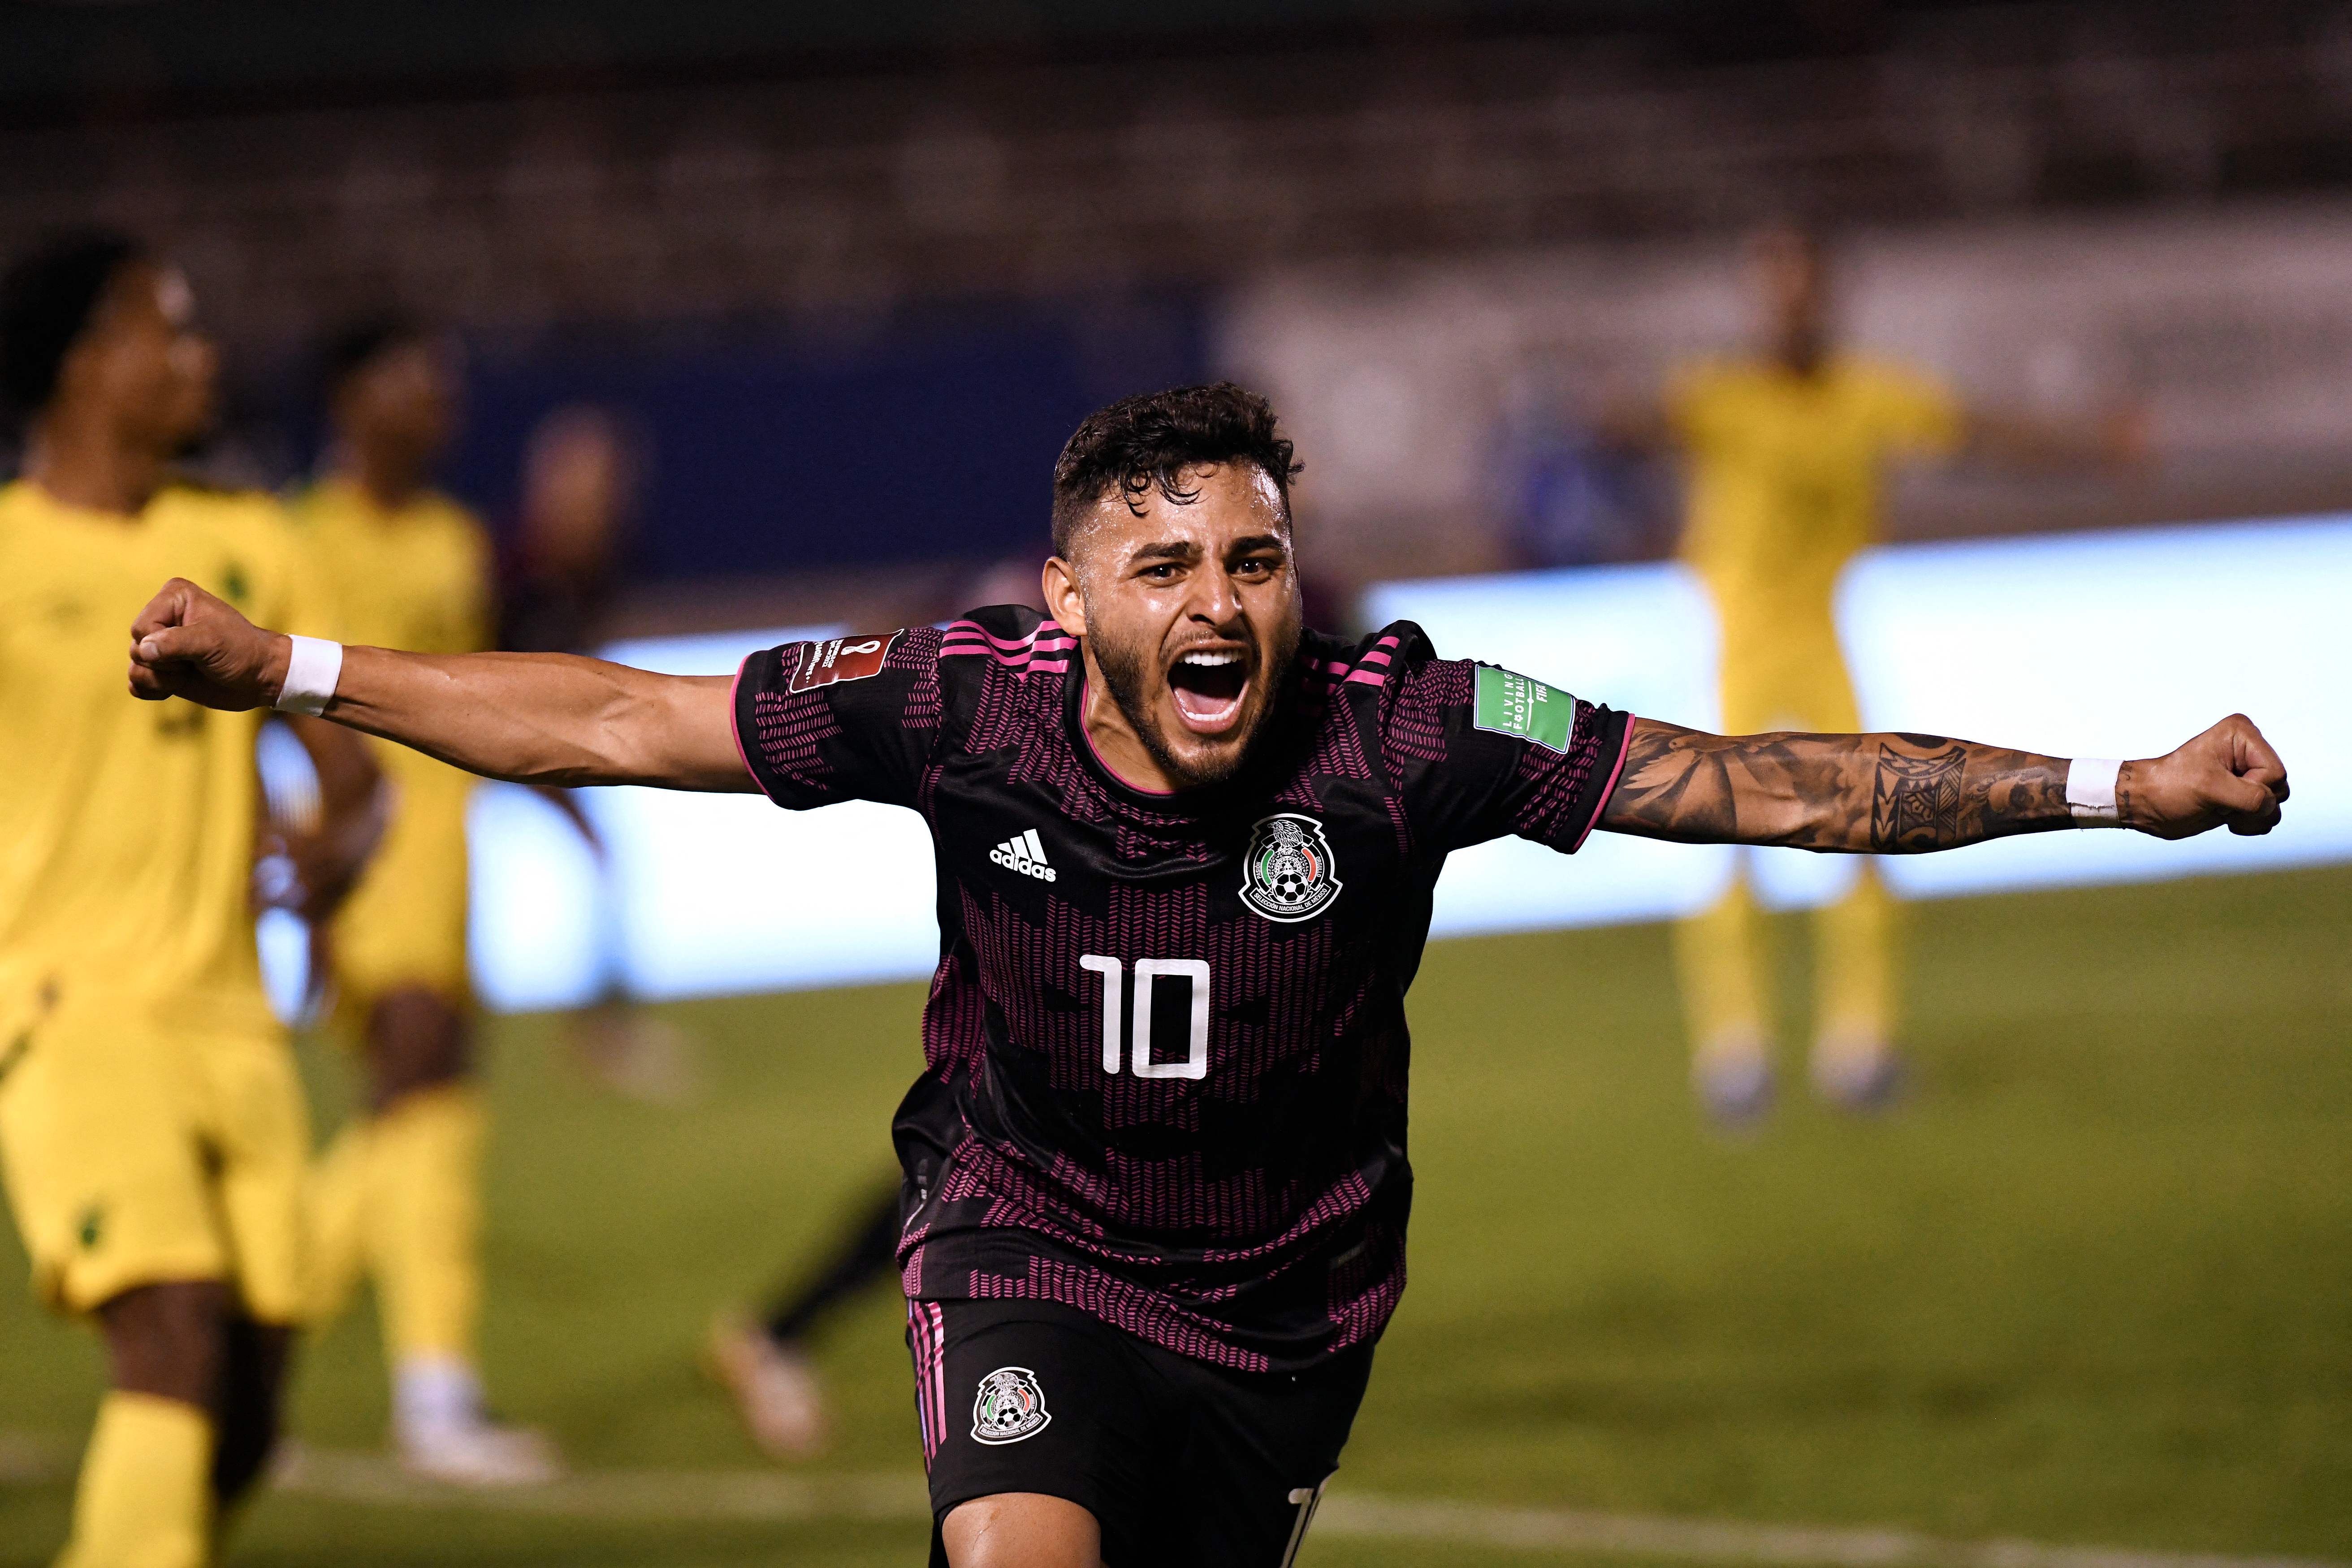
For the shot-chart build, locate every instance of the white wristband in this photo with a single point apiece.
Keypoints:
(311, 670)
(2091, 791)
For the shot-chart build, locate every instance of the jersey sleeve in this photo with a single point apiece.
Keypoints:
(854, 718)
(1913, 414)
(1484, 752)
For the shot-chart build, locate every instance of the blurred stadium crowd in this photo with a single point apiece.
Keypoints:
(1452, 228)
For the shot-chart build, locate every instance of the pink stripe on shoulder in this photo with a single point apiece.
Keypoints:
(969, 639)
(973, 629)
(1623, 746)
(1369, 677)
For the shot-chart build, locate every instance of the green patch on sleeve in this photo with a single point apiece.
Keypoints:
(1512, 704)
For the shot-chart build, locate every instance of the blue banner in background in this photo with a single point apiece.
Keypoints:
(2118, 644)
(921, 435)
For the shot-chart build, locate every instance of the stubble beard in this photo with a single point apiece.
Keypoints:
(1125, 669)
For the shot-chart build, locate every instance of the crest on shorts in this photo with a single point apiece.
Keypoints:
(1290, 873)
(1009, 1407)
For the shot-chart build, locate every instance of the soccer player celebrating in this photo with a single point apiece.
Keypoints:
(399, 1191)
(151, 1127)
(1156, 1184)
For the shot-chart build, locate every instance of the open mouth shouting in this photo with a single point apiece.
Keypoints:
(1208, 687)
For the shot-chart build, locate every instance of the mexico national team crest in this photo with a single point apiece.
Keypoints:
(1290, 873)
(1010, 1406)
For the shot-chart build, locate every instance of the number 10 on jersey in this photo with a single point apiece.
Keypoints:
(1147, 971)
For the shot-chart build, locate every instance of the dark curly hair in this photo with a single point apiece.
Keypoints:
(357, 343)
(1138, 443)
(47, 300)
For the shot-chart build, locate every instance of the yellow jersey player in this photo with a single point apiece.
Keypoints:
(1786, 453)
(153, 1133)
(398, 1195)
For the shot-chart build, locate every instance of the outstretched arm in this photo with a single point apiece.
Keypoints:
(534, 718)
(2117, 439)
(1904, 794)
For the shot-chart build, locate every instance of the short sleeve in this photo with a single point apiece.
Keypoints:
(853, 717)
(1484, 752)
(1912, 413)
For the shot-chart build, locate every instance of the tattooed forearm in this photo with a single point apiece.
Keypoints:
(1960, 794)
(1916, 798)
(1887, 794)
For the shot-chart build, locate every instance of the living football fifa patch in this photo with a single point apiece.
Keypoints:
(841, 658)
(1011, 1406)
(1510, 704)
(1290, 873)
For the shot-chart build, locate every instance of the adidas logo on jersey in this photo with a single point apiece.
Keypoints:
(1026, 854)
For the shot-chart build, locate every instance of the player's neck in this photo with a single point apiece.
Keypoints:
(77, 460)
(1800, 358)
(1116, 746)
(389, 483)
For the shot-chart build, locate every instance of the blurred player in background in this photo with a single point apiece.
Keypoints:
(399, 1193)
(151, 1126)
(765, 1364)
(1786, 451)
(580, 479)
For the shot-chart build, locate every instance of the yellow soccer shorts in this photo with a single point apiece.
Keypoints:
(1782, 669)
(1786, 672)
(404, 922)
(137, 1155)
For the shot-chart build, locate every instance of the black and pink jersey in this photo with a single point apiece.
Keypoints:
(1166, 1048)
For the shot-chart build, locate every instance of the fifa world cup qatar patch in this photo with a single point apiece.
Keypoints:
(1010, 1406)
(1511, 704)
(1290, 873)
(839, 659)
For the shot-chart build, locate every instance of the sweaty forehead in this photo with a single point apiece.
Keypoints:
(1227, 500)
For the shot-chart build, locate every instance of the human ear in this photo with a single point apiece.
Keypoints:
(1062, 600)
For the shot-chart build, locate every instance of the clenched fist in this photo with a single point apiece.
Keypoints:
(186, 643)
(2228, 776)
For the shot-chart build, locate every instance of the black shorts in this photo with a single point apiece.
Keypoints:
(1179, 1461)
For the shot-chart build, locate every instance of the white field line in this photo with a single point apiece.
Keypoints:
(754, 1496)
(641, 1495)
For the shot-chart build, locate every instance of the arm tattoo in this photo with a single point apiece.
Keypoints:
(1916, 802)
(1886, 795)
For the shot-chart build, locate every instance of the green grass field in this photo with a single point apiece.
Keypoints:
(2093, 1284)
